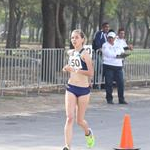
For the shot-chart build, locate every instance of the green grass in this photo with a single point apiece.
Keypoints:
(139, 56)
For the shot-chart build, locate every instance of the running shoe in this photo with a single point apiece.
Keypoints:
(90, 140)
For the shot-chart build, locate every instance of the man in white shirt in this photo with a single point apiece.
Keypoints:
(120, 40)
(113, 54)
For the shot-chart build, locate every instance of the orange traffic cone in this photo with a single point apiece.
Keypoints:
(126, 138)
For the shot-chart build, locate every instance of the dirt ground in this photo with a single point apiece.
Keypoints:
(45, 102)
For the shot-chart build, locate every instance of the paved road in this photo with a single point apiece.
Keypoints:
(36, 123)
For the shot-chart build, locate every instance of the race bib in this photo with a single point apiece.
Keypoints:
(75, 61)
(88, 48)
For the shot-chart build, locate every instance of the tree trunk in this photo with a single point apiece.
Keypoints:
(148, 32)
(19, 28)
(142, 33)
(127, 30)
(49, 24)
(120, 20)
(95, 19)
(101, 12)
(29, 39)
(4, 34)
(146, 38)
(38, 33)
(49, 36)
(60, 33)
(11, 38)
(135, 32)
(60, 26)
(74, 21)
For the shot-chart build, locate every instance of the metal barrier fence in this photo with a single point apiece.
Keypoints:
(136, 66)
(22, 68)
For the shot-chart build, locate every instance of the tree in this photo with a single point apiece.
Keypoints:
(101, 12)
(34, 20)
(19, 10)
(11, 38)
(53, 23)
(49, 26)
(53, 35)
(60, 25)
(4, 19)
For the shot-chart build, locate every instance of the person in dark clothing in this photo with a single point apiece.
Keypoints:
(100, 38)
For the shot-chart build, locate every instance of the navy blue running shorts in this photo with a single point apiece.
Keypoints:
(78, 91)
